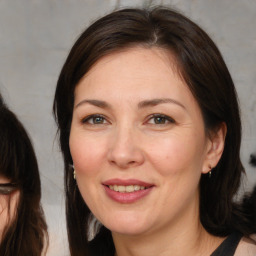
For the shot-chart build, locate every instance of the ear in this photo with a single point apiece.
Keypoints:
(215, 147)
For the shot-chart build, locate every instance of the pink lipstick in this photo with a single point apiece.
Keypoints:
(127, 191)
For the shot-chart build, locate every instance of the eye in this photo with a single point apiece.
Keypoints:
(94, 120)
(160, 119)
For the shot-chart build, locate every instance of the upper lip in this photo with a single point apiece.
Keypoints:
(121, 182)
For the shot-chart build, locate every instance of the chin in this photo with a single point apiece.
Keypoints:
(128, 226)
(128, 231)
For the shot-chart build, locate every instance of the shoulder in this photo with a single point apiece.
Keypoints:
(247, 246)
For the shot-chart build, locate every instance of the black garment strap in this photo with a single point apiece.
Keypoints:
(228, 246)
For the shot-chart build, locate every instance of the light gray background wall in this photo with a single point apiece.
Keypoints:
(35, 37)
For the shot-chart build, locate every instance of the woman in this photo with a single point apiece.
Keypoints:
(23, 229)
(150, 132)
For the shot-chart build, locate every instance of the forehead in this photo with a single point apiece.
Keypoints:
(154, 56)
(138, 66)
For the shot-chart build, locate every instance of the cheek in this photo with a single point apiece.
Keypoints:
(8, 208)
(87, 154)
(176, 154)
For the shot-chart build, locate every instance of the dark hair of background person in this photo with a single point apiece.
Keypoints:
(26, 233)
(202, 67)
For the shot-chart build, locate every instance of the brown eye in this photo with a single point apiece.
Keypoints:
(160, 120)
(98, 120)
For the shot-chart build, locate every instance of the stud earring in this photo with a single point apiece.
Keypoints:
(74, 171)
(210, 172)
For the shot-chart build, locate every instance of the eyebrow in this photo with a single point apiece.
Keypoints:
(155, 102)
(142, 104)
(97, 103)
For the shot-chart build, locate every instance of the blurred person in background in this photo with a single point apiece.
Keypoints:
(23, 230)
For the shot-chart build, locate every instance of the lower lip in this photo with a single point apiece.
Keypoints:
(127, 198)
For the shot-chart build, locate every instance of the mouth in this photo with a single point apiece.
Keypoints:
(127, 191)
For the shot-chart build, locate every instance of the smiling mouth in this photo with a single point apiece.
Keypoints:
(127, 189)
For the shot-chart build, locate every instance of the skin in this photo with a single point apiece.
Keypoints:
(8, 205)
(127, 142)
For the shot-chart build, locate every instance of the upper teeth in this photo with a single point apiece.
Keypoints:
(123, 189)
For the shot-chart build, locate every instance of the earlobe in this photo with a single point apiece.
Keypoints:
(215, 148)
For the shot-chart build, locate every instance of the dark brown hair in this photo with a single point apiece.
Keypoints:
(201, 65)
(26, 233)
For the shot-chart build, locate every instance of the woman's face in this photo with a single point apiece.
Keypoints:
(8, 206)
(138, 142)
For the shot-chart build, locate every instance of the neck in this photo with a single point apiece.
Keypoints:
(177, 245)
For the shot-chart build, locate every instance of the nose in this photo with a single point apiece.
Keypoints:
(124, 151)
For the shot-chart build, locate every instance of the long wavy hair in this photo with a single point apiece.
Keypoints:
(202, 67)
(25, 232)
